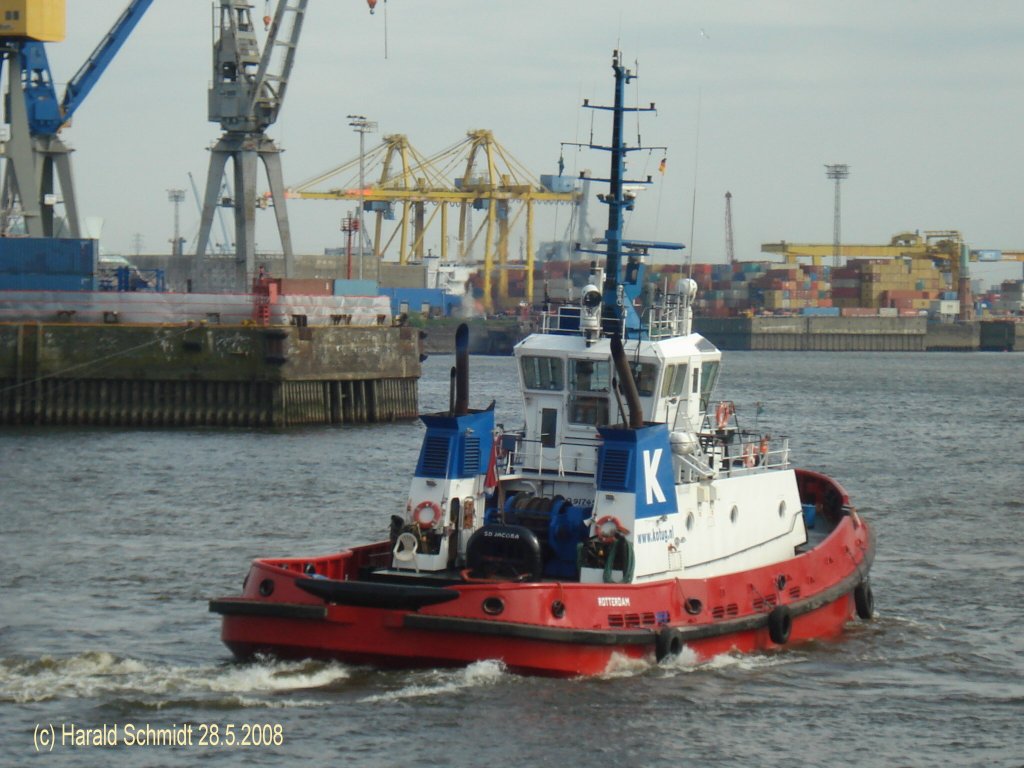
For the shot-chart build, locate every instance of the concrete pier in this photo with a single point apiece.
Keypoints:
(819, 334)
(858, 334)
(206, 375)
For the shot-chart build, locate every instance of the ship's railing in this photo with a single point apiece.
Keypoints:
(693, 469)
(576, 456)
(665, 319)
(746, 454)
(736, 450)
(566, 319)
(561, 318)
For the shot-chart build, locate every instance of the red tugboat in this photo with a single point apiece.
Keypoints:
(631, 517)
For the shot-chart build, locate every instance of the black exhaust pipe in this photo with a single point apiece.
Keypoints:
(626, 383)
(461, 405)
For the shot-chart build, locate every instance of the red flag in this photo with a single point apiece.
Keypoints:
(491, 479)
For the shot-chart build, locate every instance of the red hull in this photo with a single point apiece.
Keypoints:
(550, 628)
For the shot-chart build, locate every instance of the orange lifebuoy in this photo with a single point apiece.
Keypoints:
(748, 455)
(722, 414)
(422, 520)
(603, 534)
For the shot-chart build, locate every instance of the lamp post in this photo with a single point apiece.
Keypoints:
(362, 126)
(836, 172)
(176, 197)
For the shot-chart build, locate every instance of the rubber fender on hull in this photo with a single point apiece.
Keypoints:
(864, 600)
(669, 642)
(780, 624)
(376, 595)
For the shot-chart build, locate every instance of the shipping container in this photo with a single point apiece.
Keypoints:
(558, 184)
(47, 255)
(355, 288)
(292, 286)
(47, 282)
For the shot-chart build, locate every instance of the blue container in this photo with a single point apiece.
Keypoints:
(355, 288)
(559, 184)
(37, 282)
(47, 255)
(418, 299)
(810, 515)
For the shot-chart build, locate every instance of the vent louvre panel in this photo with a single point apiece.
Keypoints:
(471, 458)
(435, 456)
(615, 468)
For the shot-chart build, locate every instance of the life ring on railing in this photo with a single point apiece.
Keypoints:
(722, 415)
(749, 460)
(607, 534)
(423, 520)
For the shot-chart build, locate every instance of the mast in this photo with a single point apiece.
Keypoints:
(621, 287)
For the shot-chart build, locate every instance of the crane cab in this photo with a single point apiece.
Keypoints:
(43, 21)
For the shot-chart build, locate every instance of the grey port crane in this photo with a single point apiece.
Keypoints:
(245, 97)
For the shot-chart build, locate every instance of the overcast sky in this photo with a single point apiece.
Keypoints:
(923, 100)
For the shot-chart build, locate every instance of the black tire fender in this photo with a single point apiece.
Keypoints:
(864, 600)
(668, 642)
(780, 624)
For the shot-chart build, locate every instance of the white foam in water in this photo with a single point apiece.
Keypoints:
(101, 673)
(477, 674)
(688, 661)
(621, 665)
(746, 662)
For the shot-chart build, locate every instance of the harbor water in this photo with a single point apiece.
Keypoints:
(112, 541)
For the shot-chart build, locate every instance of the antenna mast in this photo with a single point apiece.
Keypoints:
(730, 251)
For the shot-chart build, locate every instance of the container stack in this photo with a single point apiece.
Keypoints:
(908, 286)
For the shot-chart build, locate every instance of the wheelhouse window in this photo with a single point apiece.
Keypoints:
(589, 384)
(708, 377)
(675, 380)
(545, 373)
(646, 377)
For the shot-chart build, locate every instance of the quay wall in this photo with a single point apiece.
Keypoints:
(953, 337)
(819, 334)
(855, 334)
(206, 375)
(496, 336)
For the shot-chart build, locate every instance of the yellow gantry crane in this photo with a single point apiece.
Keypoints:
(476, 174)
(944, 247)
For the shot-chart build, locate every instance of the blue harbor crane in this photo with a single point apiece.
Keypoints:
(35, 115)
(245, 97)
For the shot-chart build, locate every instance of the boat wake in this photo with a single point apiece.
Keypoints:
(153, 685)
(438, 682)
(688, 662)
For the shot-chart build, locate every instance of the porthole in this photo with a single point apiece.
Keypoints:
(689, 522)
(493, 606)
(267, 587)
(782, 509)
(734, 513)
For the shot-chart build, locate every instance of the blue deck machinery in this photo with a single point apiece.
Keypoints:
(34, 114)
